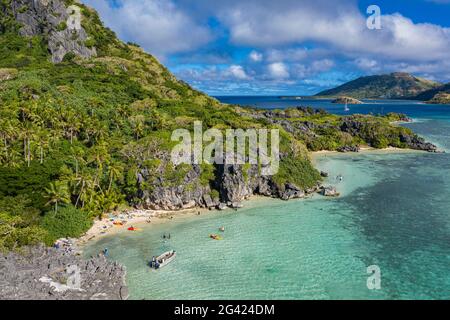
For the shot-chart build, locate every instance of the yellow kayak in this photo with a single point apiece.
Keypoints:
(215, 237)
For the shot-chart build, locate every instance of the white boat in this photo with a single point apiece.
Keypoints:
(163, 260)
(347, 109)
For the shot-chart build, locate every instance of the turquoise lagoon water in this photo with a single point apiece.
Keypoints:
(394, 212)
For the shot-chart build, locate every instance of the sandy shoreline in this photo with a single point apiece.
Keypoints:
(142, 218)
(365, 150)
(132, 218)
(145, 218)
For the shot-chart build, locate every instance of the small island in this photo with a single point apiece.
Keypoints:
(440, 98)
(346, 100)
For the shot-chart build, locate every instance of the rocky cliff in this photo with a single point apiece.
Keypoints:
(95, 126)
(59, 23)
(232, 185)
(42, 273)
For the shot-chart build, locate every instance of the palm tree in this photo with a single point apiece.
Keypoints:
(42, 142)
(6, 133)
(138, 125)
(78, 156)
(85, 184)
(99, 155)
(14, 159)
(58, 192)
(115, 173)
(28, 134)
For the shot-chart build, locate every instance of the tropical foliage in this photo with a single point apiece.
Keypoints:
(73, 136)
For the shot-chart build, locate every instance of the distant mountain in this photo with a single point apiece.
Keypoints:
(439, 95)
(390, 86)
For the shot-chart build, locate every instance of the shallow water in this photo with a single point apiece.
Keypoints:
(394, 212)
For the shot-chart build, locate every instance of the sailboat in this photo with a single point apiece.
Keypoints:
(347, 109)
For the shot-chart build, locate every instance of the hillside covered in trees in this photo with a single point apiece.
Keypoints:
(86, 123)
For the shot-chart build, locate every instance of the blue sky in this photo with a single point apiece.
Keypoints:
(284, 47)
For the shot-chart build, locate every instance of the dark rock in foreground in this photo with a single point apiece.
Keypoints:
(346, 149)
(418, 143)
(42, 273)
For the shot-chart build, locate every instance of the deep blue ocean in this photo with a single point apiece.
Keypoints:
(394, 213)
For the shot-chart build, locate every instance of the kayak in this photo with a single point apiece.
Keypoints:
(215, 237)
(116, 223)
(133, 229)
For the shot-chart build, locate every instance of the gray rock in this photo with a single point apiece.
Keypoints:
(291, 191)
(329, 192)
(44, 17)
(236, 205)
(235, 185)
(209, 202)
(164, 196)
(42, 273)
(222, 206)
(324, 174)
(417, 143)
(346, 149)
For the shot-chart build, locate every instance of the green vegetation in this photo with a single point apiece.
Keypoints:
(74, 136)
(19, 224)
(441, 98)
(440, 95)
(62, 26)
(67, 222)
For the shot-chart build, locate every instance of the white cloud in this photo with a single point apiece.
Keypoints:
(213, 73)
(339, 26)
(159, 26)
(237, 72)
(291, 39)
(278, 71)
(290, 54)
(256, 56)
(366, 64)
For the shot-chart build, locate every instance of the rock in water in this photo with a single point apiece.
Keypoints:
(324, 174)
(41, 273)
(330, 192)
(222, 206)
(346, 149)
(291, 191)
(346, 100)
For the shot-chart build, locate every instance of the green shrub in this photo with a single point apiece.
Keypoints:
(90, 43)
(62, 26)
(14, 234)
(68, 222)
(69, 57)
